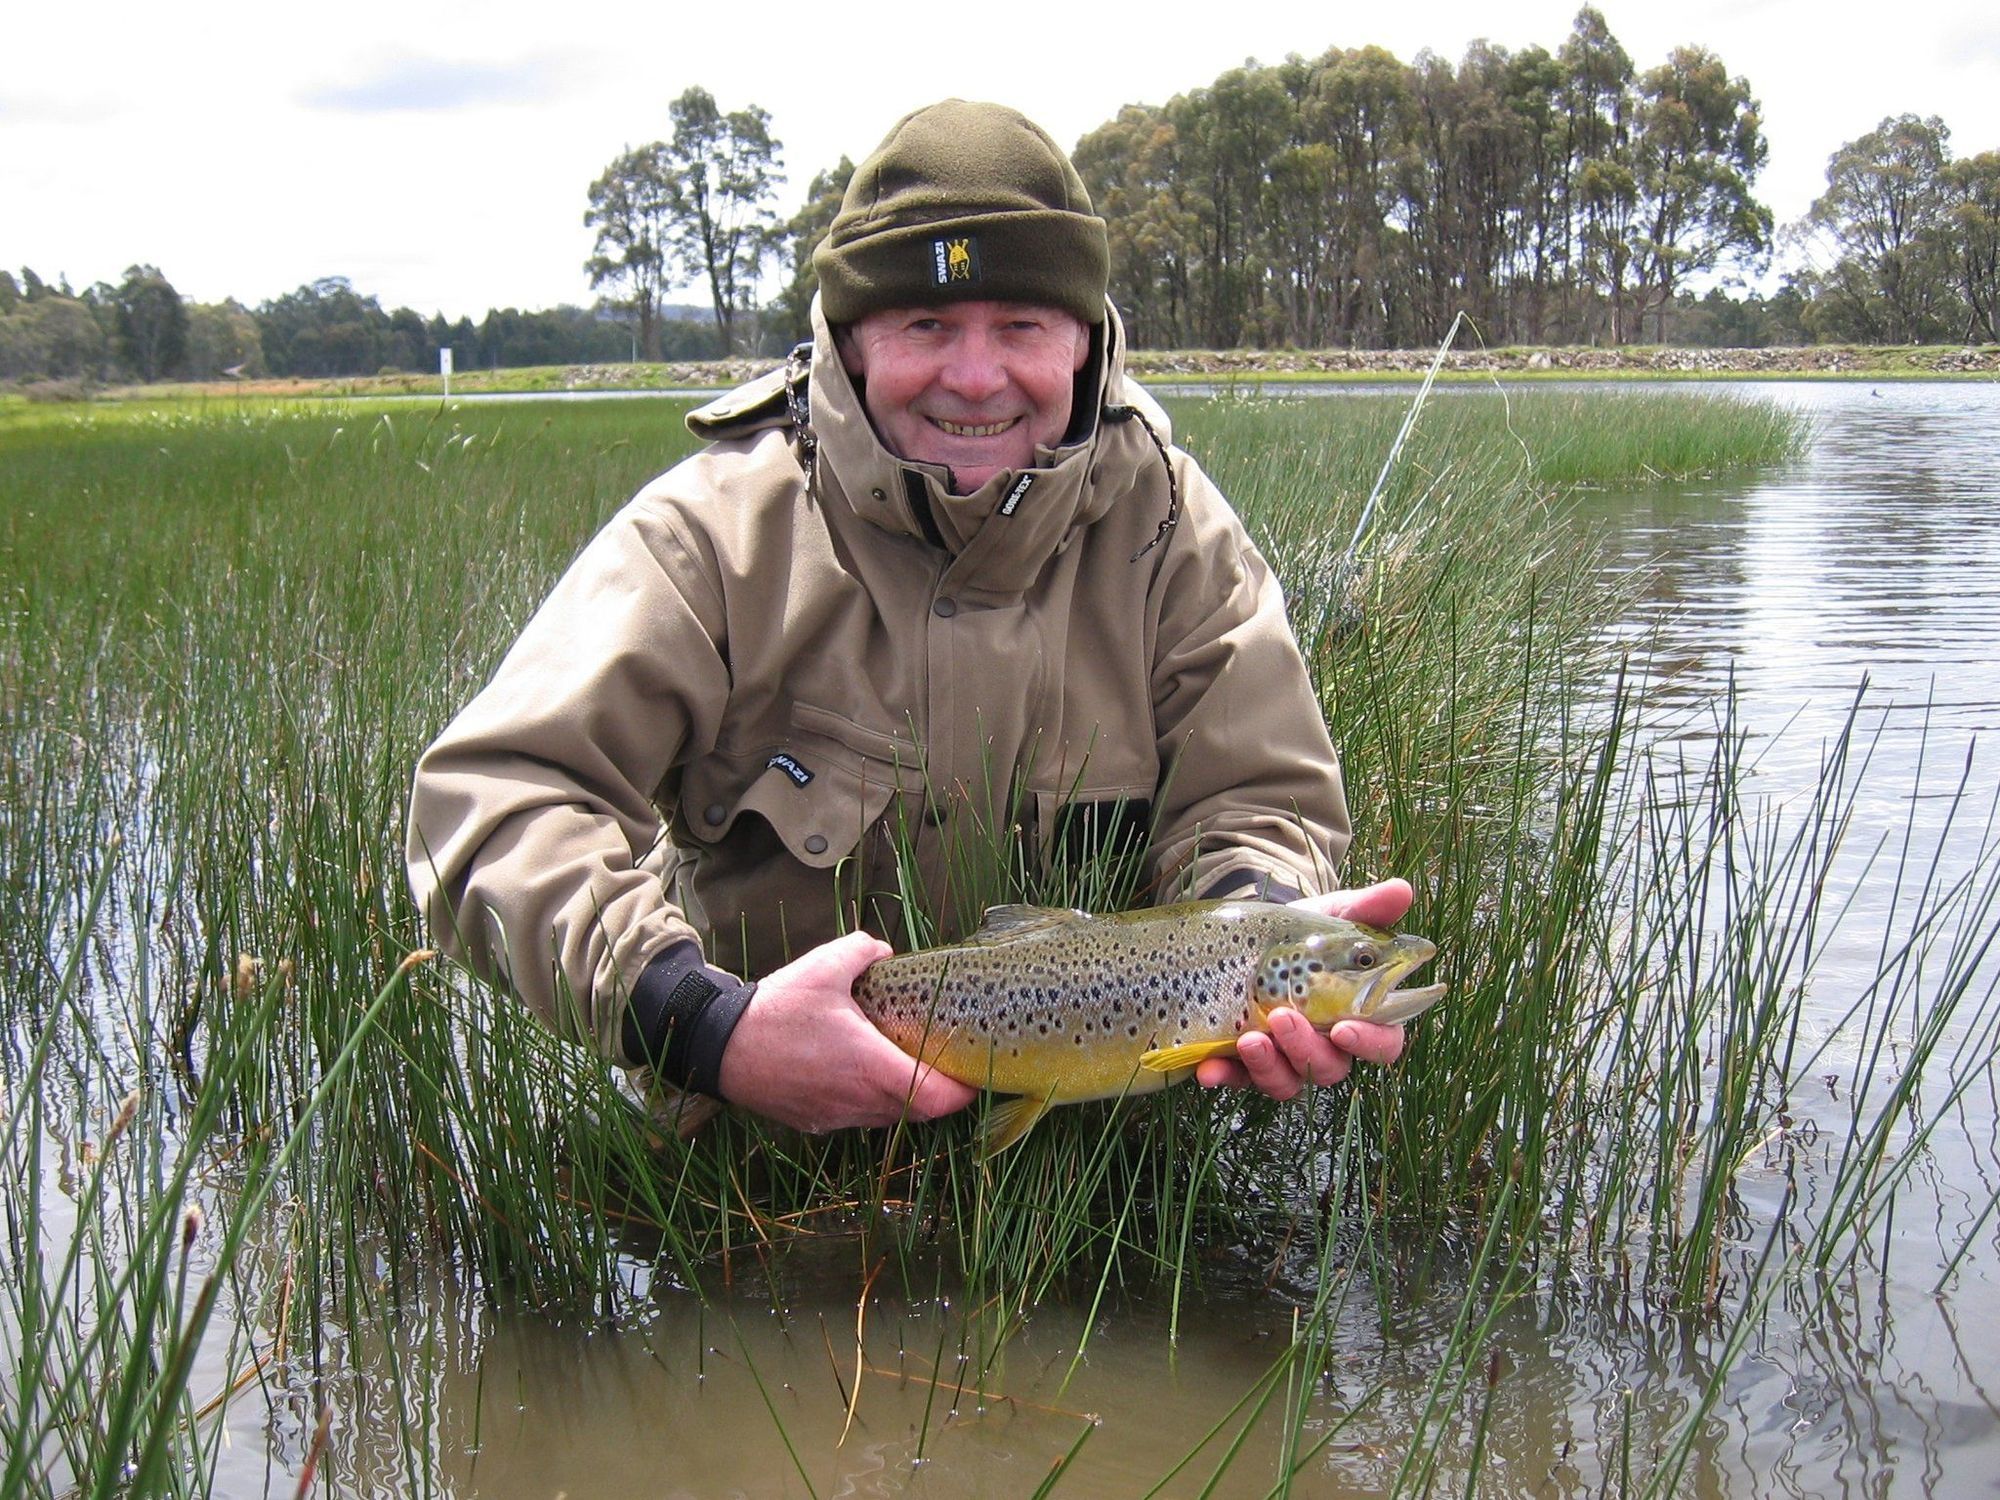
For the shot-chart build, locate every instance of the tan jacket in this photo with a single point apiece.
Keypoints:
(747, 688)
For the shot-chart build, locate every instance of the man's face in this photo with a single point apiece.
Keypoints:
(976, 386)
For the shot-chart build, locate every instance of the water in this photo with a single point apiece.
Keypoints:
(1872, 564)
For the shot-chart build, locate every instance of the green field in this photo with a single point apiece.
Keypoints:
(239, 1099)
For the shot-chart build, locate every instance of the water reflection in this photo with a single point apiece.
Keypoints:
(1878, 555)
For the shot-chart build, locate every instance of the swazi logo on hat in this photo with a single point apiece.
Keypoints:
(955, 260)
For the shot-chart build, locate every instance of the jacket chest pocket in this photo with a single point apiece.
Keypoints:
(1094, 832)
(816, 794)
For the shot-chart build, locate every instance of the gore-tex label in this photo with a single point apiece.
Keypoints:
(783, 762)
(1015, 495)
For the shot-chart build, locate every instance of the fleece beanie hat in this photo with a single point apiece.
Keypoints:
(964, 203)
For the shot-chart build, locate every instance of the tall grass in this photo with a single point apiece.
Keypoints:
(226, 632)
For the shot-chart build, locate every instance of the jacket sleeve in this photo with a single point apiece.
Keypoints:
(535, 848)
(1251, 795)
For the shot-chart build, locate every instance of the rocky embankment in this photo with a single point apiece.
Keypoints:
(1823, 359)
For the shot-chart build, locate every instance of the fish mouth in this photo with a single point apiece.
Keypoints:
(1398, 1006)
(1381, 1002)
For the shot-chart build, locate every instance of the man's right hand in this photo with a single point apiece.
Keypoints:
(803, 1053)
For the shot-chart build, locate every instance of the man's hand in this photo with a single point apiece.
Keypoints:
(804, 1055)
(1294, 1054)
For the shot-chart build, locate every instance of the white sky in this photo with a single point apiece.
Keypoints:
(439, 154)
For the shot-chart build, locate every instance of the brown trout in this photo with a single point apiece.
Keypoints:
(1059, 1006)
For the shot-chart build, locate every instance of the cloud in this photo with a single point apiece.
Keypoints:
(429, 84)
(1970, 43)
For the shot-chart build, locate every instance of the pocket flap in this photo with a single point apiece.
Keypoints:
(818, 797)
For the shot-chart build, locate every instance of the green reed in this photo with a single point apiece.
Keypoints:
(226, 632)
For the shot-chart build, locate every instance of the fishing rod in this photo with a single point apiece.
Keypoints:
(1396, 448)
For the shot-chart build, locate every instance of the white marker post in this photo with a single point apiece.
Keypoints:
(444, 369)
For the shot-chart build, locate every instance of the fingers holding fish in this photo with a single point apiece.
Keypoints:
(1369, 1041)
(1283, 1061)
(1382, 904)
(805, 1055)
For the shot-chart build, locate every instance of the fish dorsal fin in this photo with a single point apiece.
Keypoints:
(1016, 923)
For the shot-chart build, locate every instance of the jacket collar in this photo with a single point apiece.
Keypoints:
(1003, 534)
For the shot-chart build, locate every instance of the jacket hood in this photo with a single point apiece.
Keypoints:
(1001, 535)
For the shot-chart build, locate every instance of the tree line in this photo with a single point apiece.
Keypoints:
(1567, 198)
(1347, 200)
(142, 329)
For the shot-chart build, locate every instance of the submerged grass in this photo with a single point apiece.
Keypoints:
(226, 632)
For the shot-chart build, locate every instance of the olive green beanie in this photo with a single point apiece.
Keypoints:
(964, 203)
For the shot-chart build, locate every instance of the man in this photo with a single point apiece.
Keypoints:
(946, 586)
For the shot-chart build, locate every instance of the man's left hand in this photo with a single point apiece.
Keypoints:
(1294, 1054)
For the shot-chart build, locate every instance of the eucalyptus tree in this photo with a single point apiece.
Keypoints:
(51, 336)
(1532, 88)
(1471, 156)
(723, 172)
(1882, 215)
(1359, 106)
(222, 338)
(151, 323)
(1230, 132)
(632, 208)
(1972, 241)
(1601, 188)
(1309, 279)
(1698, 147)
(1139, 182)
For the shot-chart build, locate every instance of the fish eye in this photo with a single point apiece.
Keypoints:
(1364, 957)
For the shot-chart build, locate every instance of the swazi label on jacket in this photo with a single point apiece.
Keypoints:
(783, 762)
(1015, 495)
(955, 261)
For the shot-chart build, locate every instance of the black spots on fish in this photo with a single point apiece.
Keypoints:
(1132, 1029)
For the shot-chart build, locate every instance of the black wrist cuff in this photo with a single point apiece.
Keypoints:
(1257, 885)
(680, 1016)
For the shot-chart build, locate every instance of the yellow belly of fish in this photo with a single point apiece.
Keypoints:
(1057, 1070)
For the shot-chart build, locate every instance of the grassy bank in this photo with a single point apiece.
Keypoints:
(244, 1118)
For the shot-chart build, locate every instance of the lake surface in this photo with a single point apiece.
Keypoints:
(1876, 558)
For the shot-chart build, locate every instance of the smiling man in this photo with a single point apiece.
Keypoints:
(941, 584)
(978, 388)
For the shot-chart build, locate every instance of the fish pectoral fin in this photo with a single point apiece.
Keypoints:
(1173, 1059)
(1009, 1120)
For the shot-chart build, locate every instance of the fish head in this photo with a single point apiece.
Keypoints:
(1339, 970)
